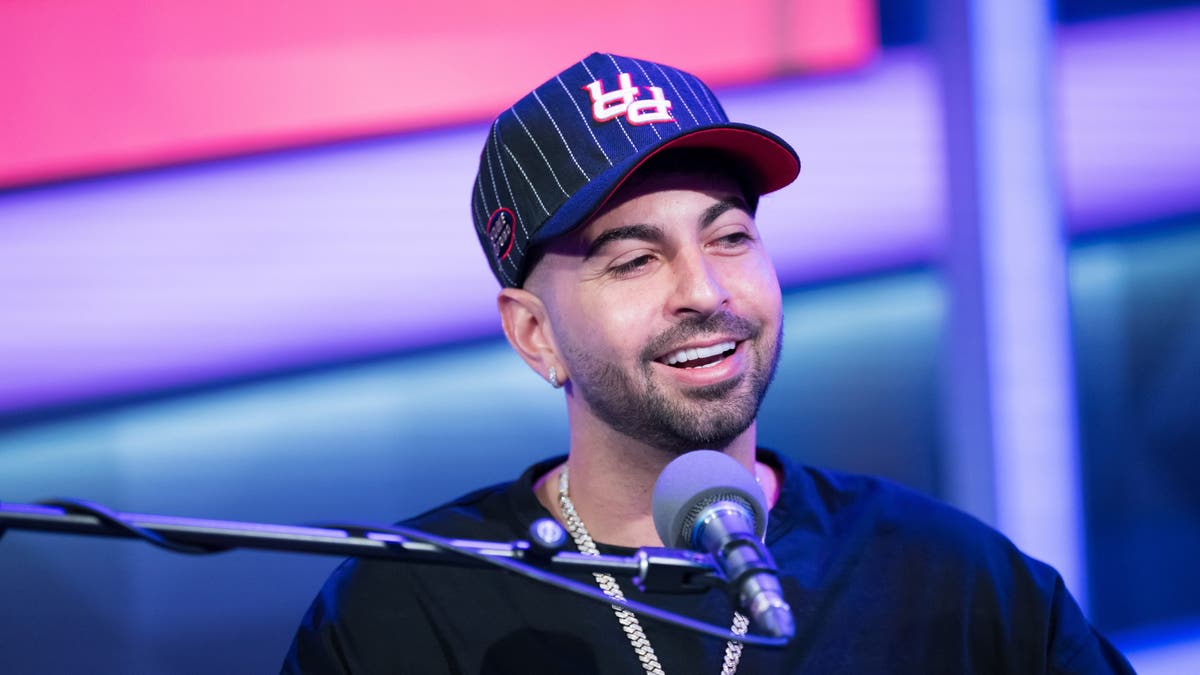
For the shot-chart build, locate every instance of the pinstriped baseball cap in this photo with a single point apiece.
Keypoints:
(554, 157)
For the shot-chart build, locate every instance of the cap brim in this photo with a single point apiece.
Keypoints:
(773, 162)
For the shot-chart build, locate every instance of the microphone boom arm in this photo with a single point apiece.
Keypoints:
(651, 569)
(663, 570)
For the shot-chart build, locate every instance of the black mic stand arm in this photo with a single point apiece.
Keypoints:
(654, 569)
(663, 570)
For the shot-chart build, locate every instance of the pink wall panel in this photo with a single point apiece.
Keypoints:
(101, 86)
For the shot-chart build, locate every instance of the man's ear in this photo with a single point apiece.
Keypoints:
(527, 327)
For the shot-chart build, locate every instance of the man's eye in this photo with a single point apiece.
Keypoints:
(735, 238)
(631, 266)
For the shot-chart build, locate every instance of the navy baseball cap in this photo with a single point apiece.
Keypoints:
(554, 158)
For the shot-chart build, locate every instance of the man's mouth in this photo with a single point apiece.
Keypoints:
(700, 357)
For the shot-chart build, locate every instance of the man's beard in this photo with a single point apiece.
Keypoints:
(711, 417)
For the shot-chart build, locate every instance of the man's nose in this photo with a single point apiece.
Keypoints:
(698, 287)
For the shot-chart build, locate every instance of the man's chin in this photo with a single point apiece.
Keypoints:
(715, 434)
(686, 424)
(715, 422)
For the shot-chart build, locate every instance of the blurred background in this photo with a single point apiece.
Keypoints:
(238, 280)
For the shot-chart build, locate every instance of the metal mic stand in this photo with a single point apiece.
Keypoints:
(652, 569)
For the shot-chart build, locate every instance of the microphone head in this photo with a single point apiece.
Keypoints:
(693, 481)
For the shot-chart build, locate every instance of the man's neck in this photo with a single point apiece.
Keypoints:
(612, 484)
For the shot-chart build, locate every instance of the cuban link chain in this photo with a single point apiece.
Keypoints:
(628, 620)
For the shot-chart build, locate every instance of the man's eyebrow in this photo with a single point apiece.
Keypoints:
(650, 233)
(713, 212)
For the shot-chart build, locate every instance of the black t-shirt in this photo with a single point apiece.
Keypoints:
(880, 579)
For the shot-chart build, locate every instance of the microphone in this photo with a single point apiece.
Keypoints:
(706, 501)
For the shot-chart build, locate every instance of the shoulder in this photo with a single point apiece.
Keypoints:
(497, 512)
(369, 583)
(880, 544)
(846, 505)
(477, 515)
(895, 535)
(351, 625)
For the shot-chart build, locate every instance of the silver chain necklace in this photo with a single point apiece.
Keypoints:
(628, 620)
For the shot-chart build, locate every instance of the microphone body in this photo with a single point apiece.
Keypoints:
(706, 501)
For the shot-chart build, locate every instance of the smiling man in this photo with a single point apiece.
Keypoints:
(615, 204)
(661, 318)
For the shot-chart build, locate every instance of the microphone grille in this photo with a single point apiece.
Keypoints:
(691, 483)
(688, 524)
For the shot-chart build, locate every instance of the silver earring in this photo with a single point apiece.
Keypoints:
(553, 377)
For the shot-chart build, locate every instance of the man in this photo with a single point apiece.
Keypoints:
(615, 204)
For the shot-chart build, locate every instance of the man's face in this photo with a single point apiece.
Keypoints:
(667, 311)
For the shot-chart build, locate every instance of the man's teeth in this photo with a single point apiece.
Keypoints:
(684, 355)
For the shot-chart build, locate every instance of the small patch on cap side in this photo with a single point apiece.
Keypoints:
(501, 230)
